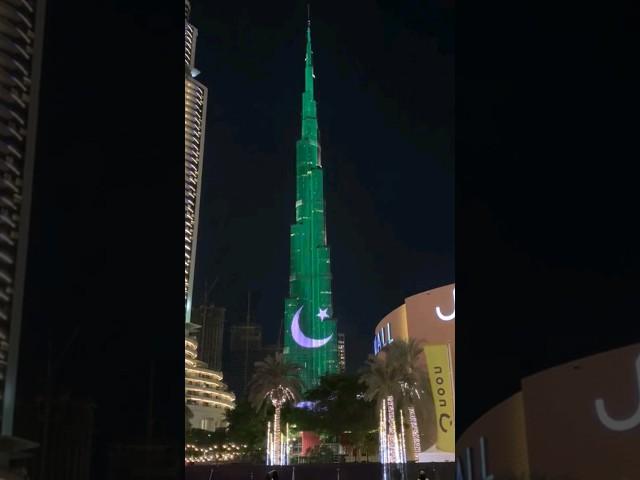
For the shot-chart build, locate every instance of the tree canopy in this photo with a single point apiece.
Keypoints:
(275, 380)
(337, 408)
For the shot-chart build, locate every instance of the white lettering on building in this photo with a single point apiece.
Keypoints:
(450, 316)
(621, 425)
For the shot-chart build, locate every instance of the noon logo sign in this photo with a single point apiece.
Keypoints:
(300, 338)
(444, 419)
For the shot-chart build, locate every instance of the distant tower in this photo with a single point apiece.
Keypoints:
(310, 329)
(21, 36)
(195, 113)
(342, 355)
(210, 335)
(245, 348)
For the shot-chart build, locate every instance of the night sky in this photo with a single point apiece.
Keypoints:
(384, 86)
(546, 198)
(546, 242)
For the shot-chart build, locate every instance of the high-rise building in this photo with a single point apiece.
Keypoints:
(21, 36)
(342, 354)
(195, 112)
(245, 336)
(310, 329)
(206, 395)
(211, 321)
(245, 349)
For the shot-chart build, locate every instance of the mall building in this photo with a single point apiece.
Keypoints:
(580, 420)
(428, 317)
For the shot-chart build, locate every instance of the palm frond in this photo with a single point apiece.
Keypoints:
(274, 380)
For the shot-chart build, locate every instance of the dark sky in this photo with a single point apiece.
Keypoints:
(546, 244)
(108, 198)
(384, 86)
(546, 192)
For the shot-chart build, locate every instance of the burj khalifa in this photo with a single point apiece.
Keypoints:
(310, 328)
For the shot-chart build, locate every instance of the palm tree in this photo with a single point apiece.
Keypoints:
(405, 358)
(277, 381)
(381, 379)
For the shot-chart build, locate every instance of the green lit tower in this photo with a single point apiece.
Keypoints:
(310, 329)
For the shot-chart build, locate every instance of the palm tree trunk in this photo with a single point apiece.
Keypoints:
(402, 440)
(382, 433)
(415, 433)
(277, 443)
(269, 445)
(394, 452)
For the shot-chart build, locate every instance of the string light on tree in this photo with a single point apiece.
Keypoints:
(415, 433)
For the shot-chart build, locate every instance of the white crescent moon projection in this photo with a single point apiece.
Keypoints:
(301, 339)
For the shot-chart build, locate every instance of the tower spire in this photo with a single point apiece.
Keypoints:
(309, 75)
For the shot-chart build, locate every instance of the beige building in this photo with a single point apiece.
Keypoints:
(206, 395)
(577, 420)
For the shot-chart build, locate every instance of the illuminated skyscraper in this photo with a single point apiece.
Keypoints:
(21, 35)
(310, 329)
(194, 122)
(205, 394)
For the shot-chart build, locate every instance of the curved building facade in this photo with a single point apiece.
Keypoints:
(206, 395)
(578, 420)
(428, 317)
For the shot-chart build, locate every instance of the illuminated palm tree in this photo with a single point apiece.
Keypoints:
(276, 381)
(381, 378)
(405, 358)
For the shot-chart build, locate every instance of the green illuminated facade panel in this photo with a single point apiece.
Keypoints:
(310, 329)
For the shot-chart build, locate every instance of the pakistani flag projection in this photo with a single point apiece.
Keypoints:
(310, 329)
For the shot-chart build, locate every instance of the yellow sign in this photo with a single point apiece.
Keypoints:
(439, 367)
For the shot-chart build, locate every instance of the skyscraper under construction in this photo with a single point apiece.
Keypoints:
(310, 329)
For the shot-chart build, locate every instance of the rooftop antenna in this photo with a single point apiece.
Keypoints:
(309, 15)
